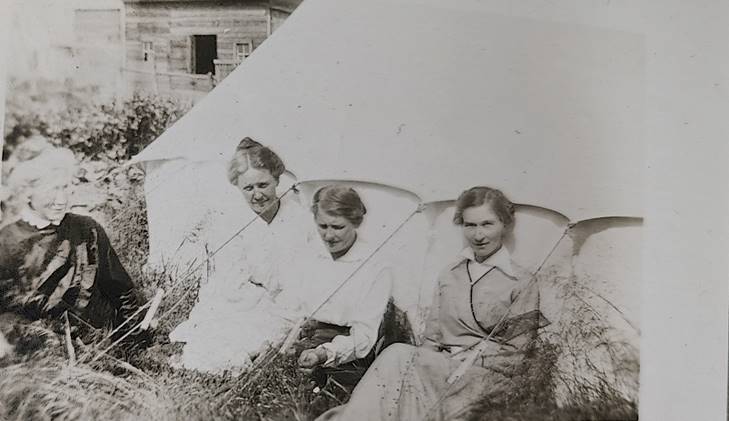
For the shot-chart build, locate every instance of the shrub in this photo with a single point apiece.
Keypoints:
(113, 131)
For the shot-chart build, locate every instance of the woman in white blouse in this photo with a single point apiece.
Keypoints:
(345, 316)
(232, 320)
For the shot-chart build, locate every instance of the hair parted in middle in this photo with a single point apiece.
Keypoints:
(250, 153)
(339, 201)
(479, 195)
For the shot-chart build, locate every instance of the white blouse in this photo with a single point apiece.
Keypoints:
(336, 292)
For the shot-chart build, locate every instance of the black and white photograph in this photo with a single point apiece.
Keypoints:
(322, 210)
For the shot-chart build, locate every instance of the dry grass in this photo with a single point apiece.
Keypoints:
(38, 383)
(51, 389)
(533, 396)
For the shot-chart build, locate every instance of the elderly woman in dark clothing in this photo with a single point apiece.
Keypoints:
(53, 261)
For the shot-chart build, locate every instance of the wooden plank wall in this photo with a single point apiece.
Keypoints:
(97, 52)
(170, 25)
(277, 18)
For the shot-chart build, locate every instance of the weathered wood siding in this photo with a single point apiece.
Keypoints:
(277, 18)
(97, 51)
(170, 26)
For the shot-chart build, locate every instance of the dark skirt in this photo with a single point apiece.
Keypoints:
(395, 328)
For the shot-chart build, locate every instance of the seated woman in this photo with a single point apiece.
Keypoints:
(341, 334)
(53, 261)
(248, 270)
(481, 295)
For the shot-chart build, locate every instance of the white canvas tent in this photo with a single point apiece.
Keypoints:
(413, 101)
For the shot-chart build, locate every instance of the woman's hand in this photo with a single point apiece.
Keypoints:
(311, 358)
(432, 345)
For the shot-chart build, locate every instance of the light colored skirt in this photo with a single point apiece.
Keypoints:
(226, 335)
(410, 383)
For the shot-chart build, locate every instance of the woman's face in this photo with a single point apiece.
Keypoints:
(337, 232)
(483, 230)
(259, 188)
(50, 198)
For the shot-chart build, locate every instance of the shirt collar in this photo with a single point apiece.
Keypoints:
(356, 253)
(34, 218)
(501, 259)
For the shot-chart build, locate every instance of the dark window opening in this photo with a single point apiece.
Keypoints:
(204, 51)
(147, 50)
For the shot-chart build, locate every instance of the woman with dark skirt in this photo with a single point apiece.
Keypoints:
(339, 340)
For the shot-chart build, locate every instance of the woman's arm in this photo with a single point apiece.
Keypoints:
(364, 328)
(112, 278)
(520, 330)
(10, 252)
(432, 334)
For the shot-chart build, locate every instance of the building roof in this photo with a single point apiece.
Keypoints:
(289, 5)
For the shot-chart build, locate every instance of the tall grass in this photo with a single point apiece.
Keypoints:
(533, 396)
(41, 383)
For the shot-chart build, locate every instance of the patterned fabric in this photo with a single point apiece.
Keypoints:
(70, 267)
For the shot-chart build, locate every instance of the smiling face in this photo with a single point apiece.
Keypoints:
(50, 198)
(259, 188)
(483, 230)
(337, 232)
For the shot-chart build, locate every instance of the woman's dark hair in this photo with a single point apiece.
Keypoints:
(247, 143)
(250, 153)
(339, 201)
(477, 196)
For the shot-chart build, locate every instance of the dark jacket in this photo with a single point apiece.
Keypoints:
(70, 267)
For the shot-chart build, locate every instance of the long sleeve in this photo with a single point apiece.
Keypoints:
(521, 328)
(8, 266)
(8, 260)
(111, 277)
(365, 323)
(13, 248)
(432, 334)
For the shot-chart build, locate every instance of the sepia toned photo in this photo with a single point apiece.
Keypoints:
(319, 210)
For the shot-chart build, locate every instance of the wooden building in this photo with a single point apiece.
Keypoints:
(59, 46)
(186, 47)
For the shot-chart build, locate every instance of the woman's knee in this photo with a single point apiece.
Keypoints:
(399, 348)
(397, 351)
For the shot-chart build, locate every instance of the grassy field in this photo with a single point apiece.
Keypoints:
(41, 383)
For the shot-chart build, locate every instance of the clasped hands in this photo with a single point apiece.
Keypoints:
(309, 359)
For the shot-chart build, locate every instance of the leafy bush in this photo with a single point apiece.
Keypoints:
(113, 131)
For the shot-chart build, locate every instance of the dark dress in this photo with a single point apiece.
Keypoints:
(70, 267)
